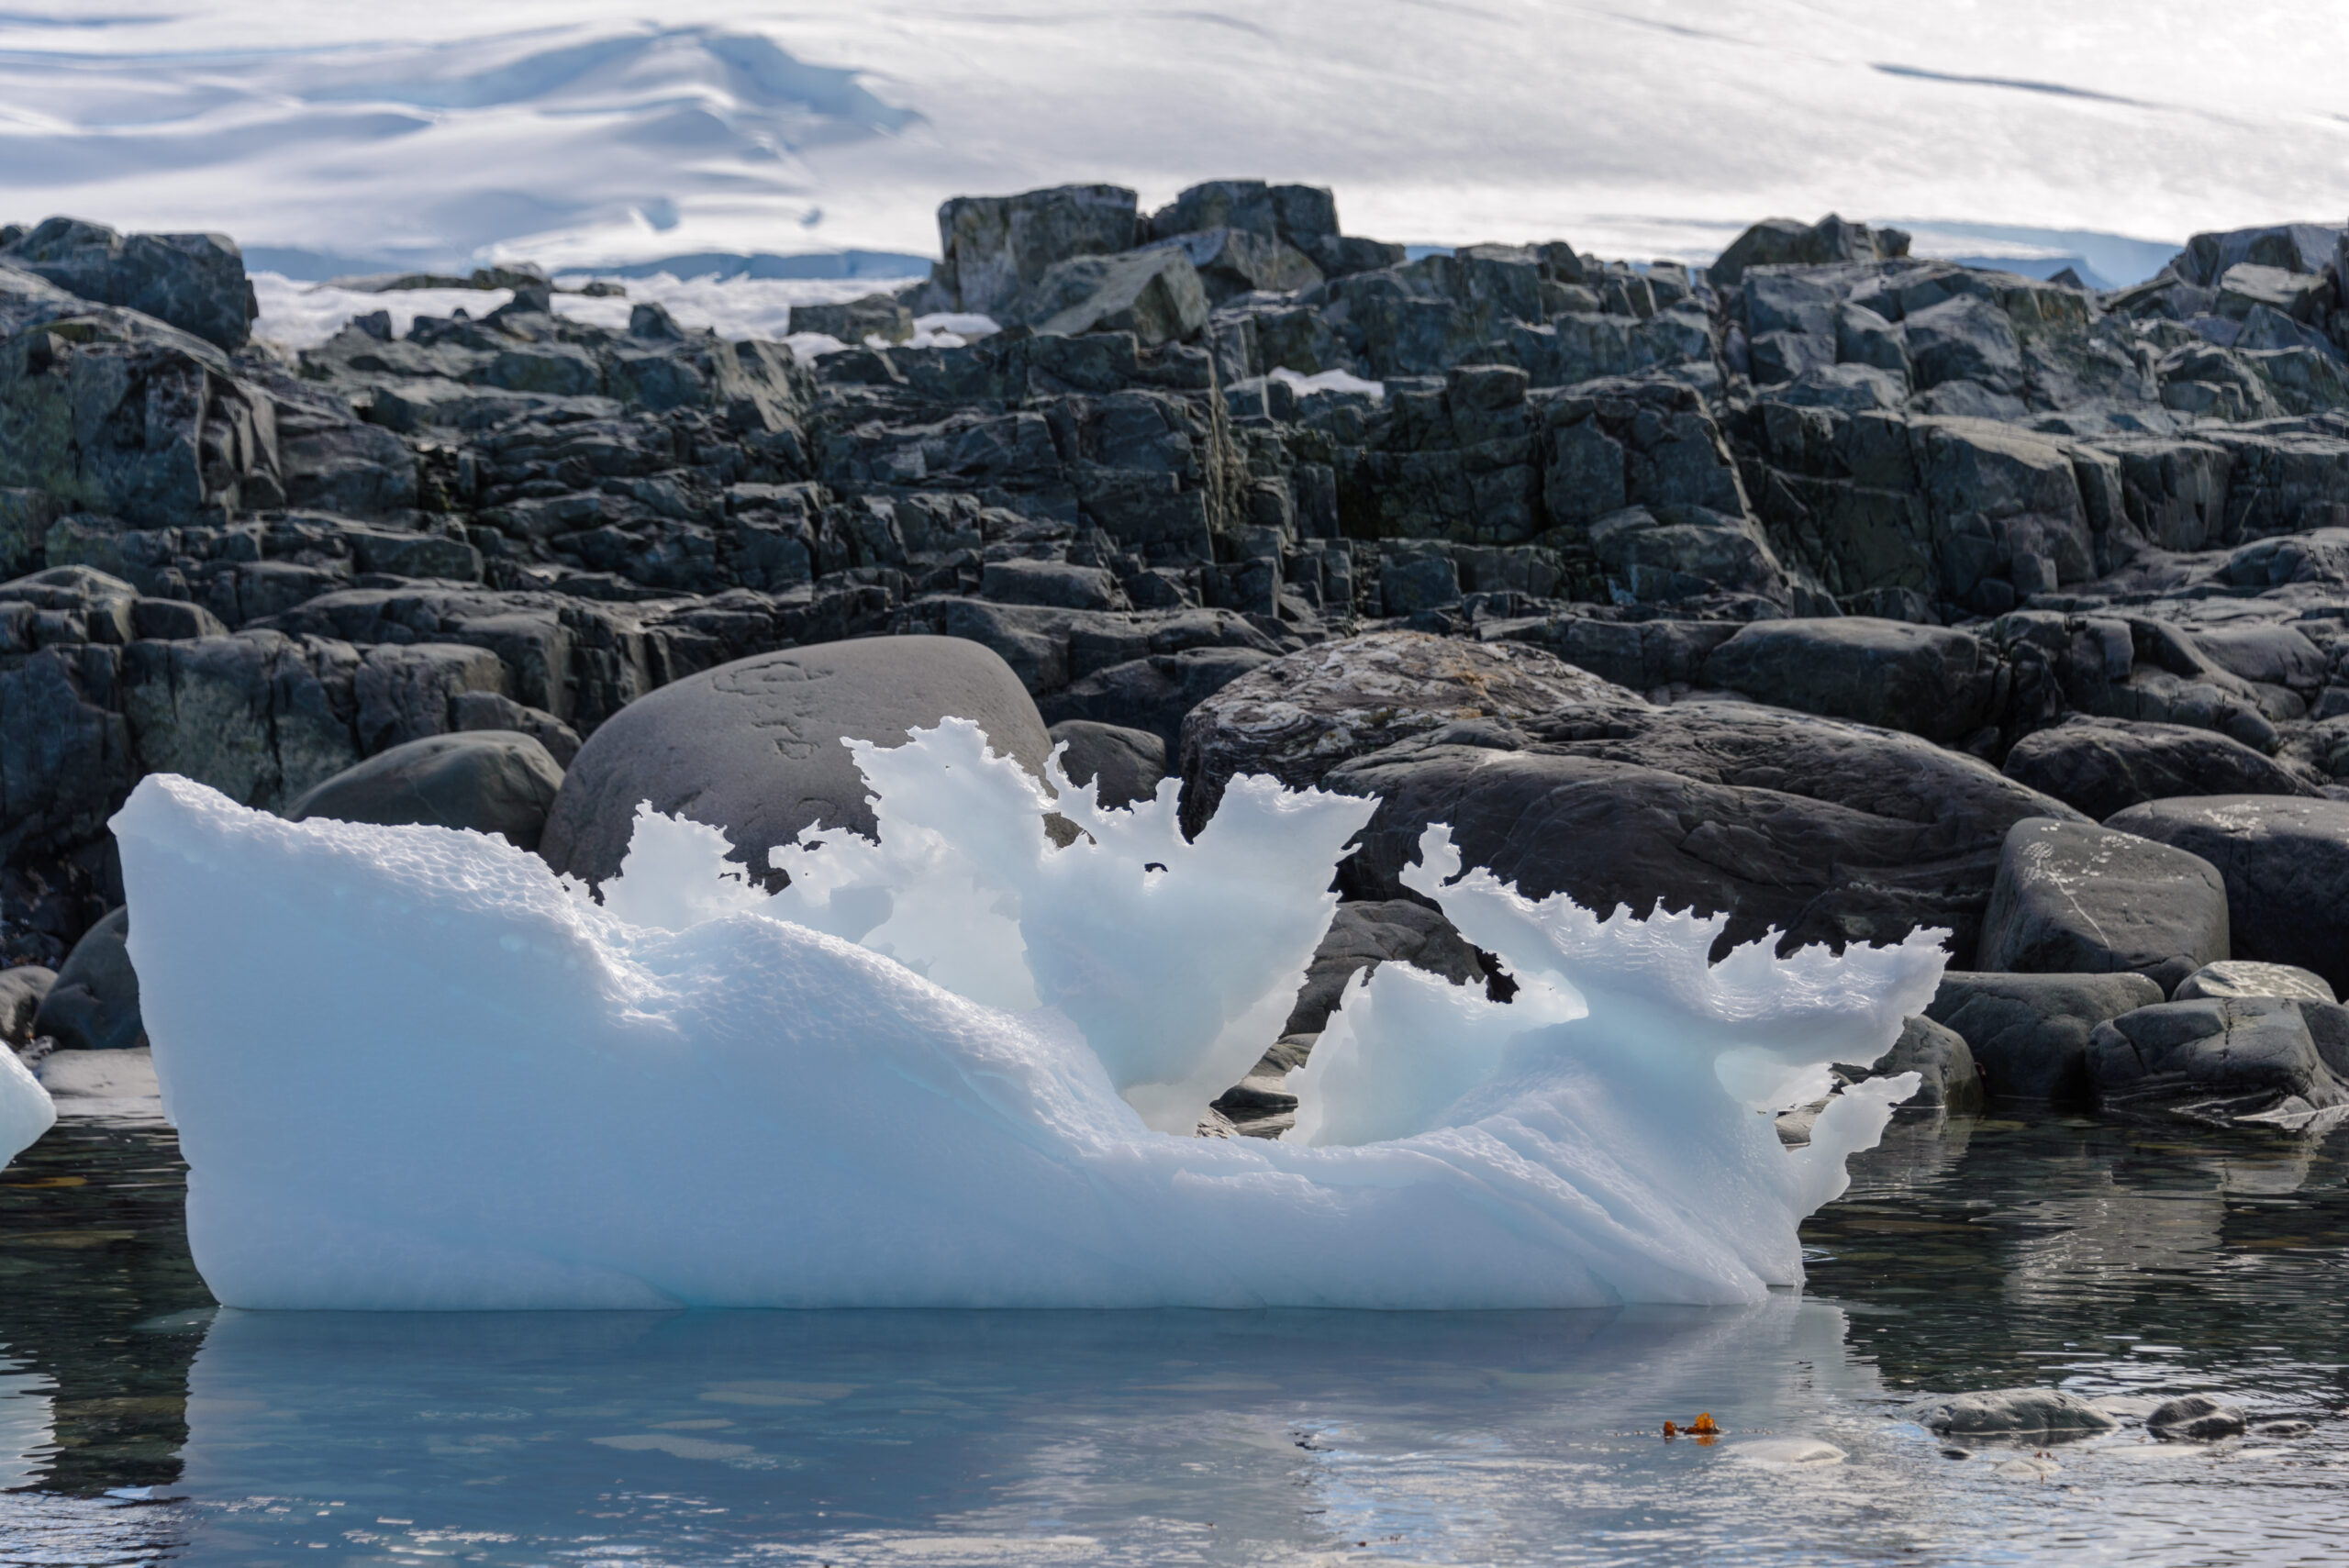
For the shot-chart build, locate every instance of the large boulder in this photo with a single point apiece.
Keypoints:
(1824, 830)
(1299, 716)
(2029, 1033)
(1120, 765)
(491, 780)
(194, 281)
(1948, 1080)
(2286, 865)
(2075, 898)
(2214, 1061)
(2236, 977)
(1930, 680)
(2104, 765)
(93, 1004)
(754, 746)
(1153, 693)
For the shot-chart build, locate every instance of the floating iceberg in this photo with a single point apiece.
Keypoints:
(958, 1066)
(25, 1110)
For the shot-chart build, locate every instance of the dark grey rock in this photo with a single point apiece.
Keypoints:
(874, 315)
(2216, 1060)
(1297, 717)
(1930, 680)
(2238, 977)
(1018, 582)
(194, 281)
(1941, 1059)
(1684, 552)
(996, 247)
(2075, 898)
(1153, 693)
(495, 710)
(2195, 1417)
(1122, 765)
(489, 781)
(1364, 936)
(1823, 831)
(93, 1004)
(21, 990)
(2029, 1034)
(753, 747)
(2287, 869)
(2021, 1413)
(2103, 765)
(1783, 241)
(1154, 295)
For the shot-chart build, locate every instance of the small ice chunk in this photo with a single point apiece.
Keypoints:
(25, 1110)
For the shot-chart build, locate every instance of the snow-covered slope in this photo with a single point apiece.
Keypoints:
(586, 131)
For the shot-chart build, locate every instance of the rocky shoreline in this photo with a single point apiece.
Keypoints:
(1844, 591)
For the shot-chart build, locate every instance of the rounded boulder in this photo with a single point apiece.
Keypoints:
(754, 748)
(493, 781)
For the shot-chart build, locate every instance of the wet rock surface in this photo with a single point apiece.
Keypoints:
(1787, 587)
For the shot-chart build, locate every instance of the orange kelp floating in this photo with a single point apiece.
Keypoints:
(1703, 1429)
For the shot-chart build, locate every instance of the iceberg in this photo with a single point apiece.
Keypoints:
(26, 1109)
(959, 1064)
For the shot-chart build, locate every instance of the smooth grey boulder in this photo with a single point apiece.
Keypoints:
(2287, 867)
(2075, 898)
(21, 991)
(1943, 1062)
(193, 282)
(1928, 680)
(1820, 829)
(93, 1004)
(1122, 765)
(1154, 295)
(2104, 765)
(2237, 977)
(1301, 716)
(2022, 1413)
(491, 780)
(2029, 1033)
(1364, 936)
(2214, 1061)
(753, 747)
(2195, 1417)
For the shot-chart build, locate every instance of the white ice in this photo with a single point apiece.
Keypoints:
(25, 1110)
(957, 1067)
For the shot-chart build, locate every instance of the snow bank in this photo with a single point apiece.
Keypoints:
(302, 316)
(413, 1069)
(26, 1111)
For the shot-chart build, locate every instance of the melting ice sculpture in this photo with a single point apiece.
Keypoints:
(411, 1068)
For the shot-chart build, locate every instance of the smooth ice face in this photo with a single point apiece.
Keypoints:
(413, 1069)
(26, 1111)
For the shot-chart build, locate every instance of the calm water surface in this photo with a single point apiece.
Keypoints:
(136, 1424)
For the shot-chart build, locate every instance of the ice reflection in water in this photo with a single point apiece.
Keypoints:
(2126, 1264)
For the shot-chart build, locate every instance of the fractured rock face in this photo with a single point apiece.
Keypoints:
(2215, 1059)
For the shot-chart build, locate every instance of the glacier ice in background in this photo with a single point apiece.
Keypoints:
(26, 1109)
(411, 1068)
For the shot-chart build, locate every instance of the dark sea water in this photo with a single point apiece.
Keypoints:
(2126, 1264)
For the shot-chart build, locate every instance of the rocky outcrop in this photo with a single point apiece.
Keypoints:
(1736, 586)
